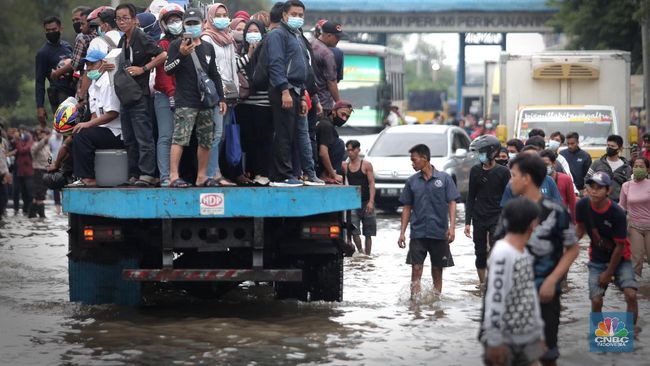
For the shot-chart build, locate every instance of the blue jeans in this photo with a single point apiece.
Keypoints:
(165, 120)
(623, 277)
(137, 132)
(302, 153)
(219, 122)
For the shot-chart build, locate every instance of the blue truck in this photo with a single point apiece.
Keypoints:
(205, 241)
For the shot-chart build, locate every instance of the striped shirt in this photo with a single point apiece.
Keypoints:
(259, 98)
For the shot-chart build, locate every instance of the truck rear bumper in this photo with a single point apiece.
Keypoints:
(196, 275)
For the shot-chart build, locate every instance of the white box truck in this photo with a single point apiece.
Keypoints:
(583, 91)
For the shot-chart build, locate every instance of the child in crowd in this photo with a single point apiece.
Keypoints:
(512, 329)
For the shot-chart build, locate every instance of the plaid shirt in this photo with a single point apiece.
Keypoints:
(80, 47)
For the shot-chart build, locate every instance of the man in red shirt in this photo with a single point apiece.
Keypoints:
(563, 181)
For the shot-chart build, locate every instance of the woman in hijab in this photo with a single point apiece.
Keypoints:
(216, 31)
(254, 112)
(237, 26)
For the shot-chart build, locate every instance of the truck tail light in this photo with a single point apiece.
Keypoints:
(321, 231)
(103, 233)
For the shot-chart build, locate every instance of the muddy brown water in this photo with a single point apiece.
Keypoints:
(376, 324)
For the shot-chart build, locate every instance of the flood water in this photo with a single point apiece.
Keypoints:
(376, 324)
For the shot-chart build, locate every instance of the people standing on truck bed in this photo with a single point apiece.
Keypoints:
(218, 35)
(187, 58)
(487, 182)
(52, 55)
(324, 64)
(171, 23)
(429, 198)
(616, 166)
(103, 130)
(142, 54)
(359, 172)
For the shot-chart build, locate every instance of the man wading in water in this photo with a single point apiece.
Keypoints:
(431, 196)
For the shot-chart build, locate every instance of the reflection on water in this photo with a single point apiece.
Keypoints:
(377, 323)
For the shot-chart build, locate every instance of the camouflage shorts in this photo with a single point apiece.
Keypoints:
(184, 120)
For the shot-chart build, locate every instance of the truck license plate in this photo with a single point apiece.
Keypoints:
(392, 192)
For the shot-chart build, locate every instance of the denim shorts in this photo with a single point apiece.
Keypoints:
(623, 277)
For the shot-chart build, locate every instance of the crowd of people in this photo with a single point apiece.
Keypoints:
(528, 205)
(255, 100)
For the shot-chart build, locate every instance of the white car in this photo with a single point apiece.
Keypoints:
(391, 160)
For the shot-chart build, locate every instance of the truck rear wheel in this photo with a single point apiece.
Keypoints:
(328, 281)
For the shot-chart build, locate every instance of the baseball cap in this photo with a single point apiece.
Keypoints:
(94, 55)
(193, 14)
(342, 104)
(600, 178)
(333, 28)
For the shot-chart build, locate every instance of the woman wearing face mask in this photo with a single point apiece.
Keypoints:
(216, 31)
(635, 199)
(254, 113)
(237, 26)
(171, 23)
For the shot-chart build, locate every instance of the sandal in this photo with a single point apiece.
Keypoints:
(223, 182)
(208, 183)
(242, 180)
(179, 183)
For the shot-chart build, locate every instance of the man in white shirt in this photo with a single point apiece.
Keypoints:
(104, 130)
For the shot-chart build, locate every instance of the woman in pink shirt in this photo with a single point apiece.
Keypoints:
(635, 199)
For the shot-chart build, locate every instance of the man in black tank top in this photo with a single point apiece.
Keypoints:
(358, 172)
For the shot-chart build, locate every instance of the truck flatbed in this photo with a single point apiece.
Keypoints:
(213, 202)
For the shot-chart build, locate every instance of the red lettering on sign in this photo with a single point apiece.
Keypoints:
(212, 200)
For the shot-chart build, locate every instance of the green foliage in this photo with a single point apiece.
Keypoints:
(600, 25)
(426, 78)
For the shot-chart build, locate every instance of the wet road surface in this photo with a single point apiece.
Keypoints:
(376, 324)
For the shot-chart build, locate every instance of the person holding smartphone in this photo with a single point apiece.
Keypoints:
(189, 107)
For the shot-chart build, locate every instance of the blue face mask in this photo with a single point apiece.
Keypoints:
(253, 37)
(482, 157)
(94, 74)
(194, 29)
(100, 32)
(295, 22)
(221, 23)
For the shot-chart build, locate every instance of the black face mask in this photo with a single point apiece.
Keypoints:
(53, 37)
(338, 121)
(77, 27)
(611, 152)
(503, 162)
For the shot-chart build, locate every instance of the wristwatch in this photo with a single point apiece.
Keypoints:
(144, 68)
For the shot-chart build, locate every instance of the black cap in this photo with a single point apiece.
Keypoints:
(193, 14)
(333, 28)
(107, 16)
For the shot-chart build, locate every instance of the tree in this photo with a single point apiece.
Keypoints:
(600, 25)
(420, 73)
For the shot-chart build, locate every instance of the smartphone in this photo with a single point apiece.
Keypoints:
(187, 37)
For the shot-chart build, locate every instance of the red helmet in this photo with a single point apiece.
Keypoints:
(95, 14)
(167, 11)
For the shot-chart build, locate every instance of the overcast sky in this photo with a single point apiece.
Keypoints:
(516, 42)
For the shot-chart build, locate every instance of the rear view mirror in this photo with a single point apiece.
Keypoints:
(460, 153)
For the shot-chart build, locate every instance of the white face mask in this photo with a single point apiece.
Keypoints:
(175, 28)
(553, 145)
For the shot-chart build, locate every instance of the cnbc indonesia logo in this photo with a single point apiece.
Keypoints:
(612, 335)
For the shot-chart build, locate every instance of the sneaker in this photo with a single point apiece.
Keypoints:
(314, 181)
(292, 182)
(263, 181)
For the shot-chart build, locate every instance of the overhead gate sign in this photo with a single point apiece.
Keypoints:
(448, 22)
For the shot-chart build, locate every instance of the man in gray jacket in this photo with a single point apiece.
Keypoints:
(614, 165)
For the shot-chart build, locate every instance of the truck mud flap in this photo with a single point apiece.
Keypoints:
(236, 275)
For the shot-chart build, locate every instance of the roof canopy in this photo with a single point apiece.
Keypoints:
(400, 6)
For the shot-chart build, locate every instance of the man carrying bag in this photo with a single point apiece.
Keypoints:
(198, 91)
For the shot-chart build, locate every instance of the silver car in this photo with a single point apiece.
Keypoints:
(390, 158)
